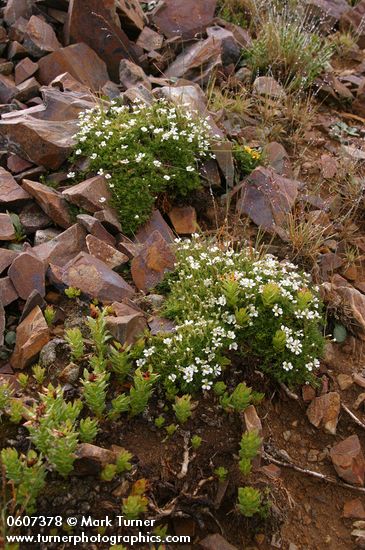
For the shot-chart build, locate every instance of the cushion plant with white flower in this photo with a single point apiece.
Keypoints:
(143, 151)
(228, 301)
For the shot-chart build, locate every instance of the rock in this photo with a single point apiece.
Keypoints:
(184, 220)
(329, 12)
(252, 420)
(277, 157)
(24, 70)
(14, 9)
(8, 294)
(6, 258)
(33, 218)
(10, 190)
(159, 324)
(109, 219)
(344, 381)
(92, 277)
(51, 202)
(91, 459)
(88, 194)
(53, 349)
(267, 198)
(324, 410)
(104, 252)
(359, 380)
(27, 273)
(230, 49)
(127, 329)
(354, 509)
(46, 143)
(40, 38)
(359, 401)
(45, 235)
(349, 300)
(197, 61)
(7, 232)
(155, 223)
(153, 261)
(8, 90)
(80, 61)
(216, 542)
(70, 374)
(131, 15)
(62, 249)
(95, 23)
(149, 40)
(31, 335)
(308, 393)
(93, 226)
(27, 90)
(131, 75)
(34, 299)
(186, 19)
(353, 19)
(348, 460)
(268, 86)
(272, 471)
(224, 155)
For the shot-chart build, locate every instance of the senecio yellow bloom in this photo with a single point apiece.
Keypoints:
(254, 154)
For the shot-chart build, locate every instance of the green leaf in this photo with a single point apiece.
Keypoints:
(339, 333)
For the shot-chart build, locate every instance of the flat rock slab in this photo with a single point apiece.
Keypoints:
(45, 143)
(65, 247)
(27, 273)
(52, 202)
(106, 253)
(348, 460)
(8, 294)
(10, 190)
(6, 258)
(89, 194)
(93, 278)
(324, 410)
(31, 335)
(186, 19)
(7, 232)
(80, 61)
(153, 261)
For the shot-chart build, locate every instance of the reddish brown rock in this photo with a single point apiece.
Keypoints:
(8, 294)
(128, 328)
(268, 86)
(348, 299)
(91, 459)
(34, 299)
(2, 323)
(28, 90)
(40, 38)
(92, 277)
(7, 232)
(131, 75)
(8, 90)
(89, 194)
(31, 335)
(308, 393)
(267, 198)
(104, 252)
(108, 217)
(150, 40)
(27, 273)
(348, 460)
(65, 247)
(6, 259)
(16, 164)
(329, 12)
(24, 70)
(46, 143)
(354, 509)
(33, 218)
(344, 381)
(155, 223)
(10, 190)
(153, 261)
(80, 61)
(51, 202)
(15, 9)
(131, 15)
(184, 220)
(277, 157)
(93, 226)
(95, 23)
(197, 62)
(216, 542)
(186, 19)
(224, 155)
(252, 420)
(324, 410)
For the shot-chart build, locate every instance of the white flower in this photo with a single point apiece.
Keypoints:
(190, 168)
(102, 199)
(157, 163)
(100, 172)
(78, 152)
(277, 311)
(166, 177)
(71, 175)
(93, 156)
(107, 176)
